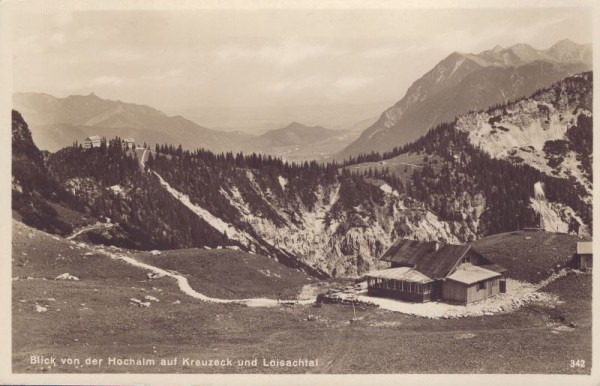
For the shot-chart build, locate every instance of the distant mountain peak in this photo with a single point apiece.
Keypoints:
(568, 51)
(57, 122)
(565, 43)
(294, 124)
(519, 46)
(525, 53)
(464, 81)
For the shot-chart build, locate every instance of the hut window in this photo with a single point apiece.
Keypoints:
(419, 288)
(481, 285)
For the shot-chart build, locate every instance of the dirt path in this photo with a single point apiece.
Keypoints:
(143, 159)
(89, 228)
(185, 287)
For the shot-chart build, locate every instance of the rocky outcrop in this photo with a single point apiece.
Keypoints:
(551, 130)
(349, 243)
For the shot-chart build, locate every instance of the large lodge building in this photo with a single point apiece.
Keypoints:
(426, 271)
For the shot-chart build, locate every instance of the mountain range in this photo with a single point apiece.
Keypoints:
(465, 82)
(458, 84)
(298, 142)
(258, 119)
(58, 122)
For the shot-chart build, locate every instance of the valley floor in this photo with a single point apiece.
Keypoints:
(94, 318)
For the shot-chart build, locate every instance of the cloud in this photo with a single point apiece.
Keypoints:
(62, 19)
(381, 52)
(57, 39)
(86, 34)
(287, 53)
(351, 83)
(165, 75)
(107, 80)
(344, 84)
(295, 85)
(475, 38)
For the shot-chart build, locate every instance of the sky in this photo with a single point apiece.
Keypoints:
(176, 59)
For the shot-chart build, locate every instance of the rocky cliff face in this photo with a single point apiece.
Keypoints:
(349, 241)
(551, 130)
(22, 141)
(34, 190)
(465, 82)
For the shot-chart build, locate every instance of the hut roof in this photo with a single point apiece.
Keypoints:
(584, 248)
(494, 267)
(93, 138)
(401, 273)
(426, 257)
(469, 274)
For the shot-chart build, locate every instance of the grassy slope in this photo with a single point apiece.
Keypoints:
(72, 217)
(401, 166)
(528, 260)
(95, 319)
(230, 274)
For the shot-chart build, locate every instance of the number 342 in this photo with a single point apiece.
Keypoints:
(577, 363)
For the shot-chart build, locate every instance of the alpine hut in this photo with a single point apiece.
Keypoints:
(128, 143)
(424, 271)
(92, 141)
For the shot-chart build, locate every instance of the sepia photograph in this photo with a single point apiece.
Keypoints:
(276, 188)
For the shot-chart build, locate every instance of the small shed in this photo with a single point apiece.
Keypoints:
(92, 141)
(499, 269)
(583, 258)
(471, 283)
